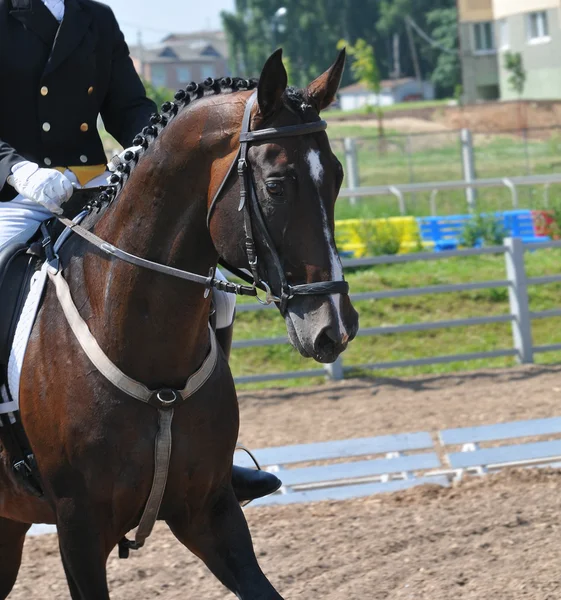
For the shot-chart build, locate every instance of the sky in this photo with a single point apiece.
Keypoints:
(156, 18)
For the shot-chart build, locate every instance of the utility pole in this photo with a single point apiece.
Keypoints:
(396, 57)
(413, 50)
(140, 52)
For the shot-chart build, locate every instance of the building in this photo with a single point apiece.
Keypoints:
(182, 58)
(393, 91)
(489, 28)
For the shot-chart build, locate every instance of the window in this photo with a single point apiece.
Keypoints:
(483, 37)
(503, 34)
(168, 53)
(158, 75)
(183, 74)
(208, 71)
(538, 30)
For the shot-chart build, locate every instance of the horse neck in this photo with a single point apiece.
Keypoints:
(154, 326)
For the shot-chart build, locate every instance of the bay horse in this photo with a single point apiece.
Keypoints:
(93, 443)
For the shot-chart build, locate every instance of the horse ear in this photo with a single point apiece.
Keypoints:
(272, 83)
(322, 91)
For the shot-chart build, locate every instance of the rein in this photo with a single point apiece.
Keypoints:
(253, 220)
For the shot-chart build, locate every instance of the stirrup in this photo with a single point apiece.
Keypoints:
(26, 473)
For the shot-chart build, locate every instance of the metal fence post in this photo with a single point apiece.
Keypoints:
(468, 164)
(351, 161)
(335, 370)
(518, 299)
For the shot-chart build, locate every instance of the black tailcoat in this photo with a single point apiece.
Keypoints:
(56, 80)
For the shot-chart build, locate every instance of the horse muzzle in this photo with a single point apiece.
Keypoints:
(321, 327)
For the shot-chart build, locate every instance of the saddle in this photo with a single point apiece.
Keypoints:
(20, 259)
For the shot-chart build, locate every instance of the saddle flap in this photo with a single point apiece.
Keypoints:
(17, 266)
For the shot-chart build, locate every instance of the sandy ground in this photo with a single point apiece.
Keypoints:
(493, 537)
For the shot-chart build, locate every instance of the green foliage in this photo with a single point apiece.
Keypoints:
(555, 226)
(365, 70)
(486, 230)
(515, 66)
(551, 226)
(364, 66)
(380, 238)
(158, 94)
(310, 30)
(443, 24)
(459, 93)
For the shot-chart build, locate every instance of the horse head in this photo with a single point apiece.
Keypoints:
(294, 179)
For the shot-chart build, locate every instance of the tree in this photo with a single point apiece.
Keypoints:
(309, 35)
(158, 94)
(517, 81)
(365, 70)
(443, 23)
(517, 77)
(392, 20)
(311, 29)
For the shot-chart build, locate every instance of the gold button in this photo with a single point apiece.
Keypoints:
(46, 126)
(44, 90)
(90, 90)
(84, 127)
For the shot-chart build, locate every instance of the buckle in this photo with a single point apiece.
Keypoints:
(210, 282)
(165, 399)
(22, 468)
(269, 296)
(242, 165)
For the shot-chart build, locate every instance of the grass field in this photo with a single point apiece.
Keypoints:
(416, 309)
(437, 157)
(402, 106)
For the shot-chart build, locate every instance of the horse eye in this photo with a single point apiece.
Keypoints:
(275, 188)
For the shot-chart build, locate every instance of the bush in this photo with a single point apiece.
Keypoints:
(380, 238)
(483, 230)
(554, 227)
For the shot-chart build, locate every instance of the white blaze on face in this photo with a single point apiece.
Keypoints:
(316, 172)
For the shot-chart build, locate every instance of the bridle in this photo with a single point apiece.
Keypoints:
(253, 221)
(253, 216)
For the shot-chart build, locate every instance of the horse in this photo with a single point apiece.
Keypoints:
(177, 203)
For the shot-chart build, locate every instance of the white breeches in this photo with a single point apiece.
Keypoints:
(20, 213)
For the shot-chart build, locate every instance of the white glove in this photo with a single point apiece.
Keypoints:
(120, 158)
(47, 187)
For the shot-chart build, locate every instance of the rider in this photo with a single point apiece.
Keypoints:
(66, 62)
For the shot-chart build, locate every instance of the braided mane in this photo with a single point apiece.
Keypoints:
(169, 110)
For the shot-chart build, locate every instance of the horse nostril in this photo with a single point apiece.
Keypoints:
(327, 338)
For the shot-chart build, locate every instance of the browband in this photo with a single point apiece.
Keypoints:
(281, 132)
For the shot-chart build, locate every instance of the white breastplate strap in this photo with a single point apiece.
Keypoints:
(165, 400)
(112, 372)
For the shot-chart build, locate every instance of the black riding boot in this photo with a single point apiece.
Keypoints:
(248, 484)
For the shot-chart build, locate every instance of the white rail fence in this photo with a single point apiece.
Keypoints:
(400, 190)
(520, 317)
(470, 182)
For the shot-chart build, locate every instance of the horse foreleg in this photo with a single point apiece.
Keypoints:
(221, 538)
(12, 537)
(84, 549)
